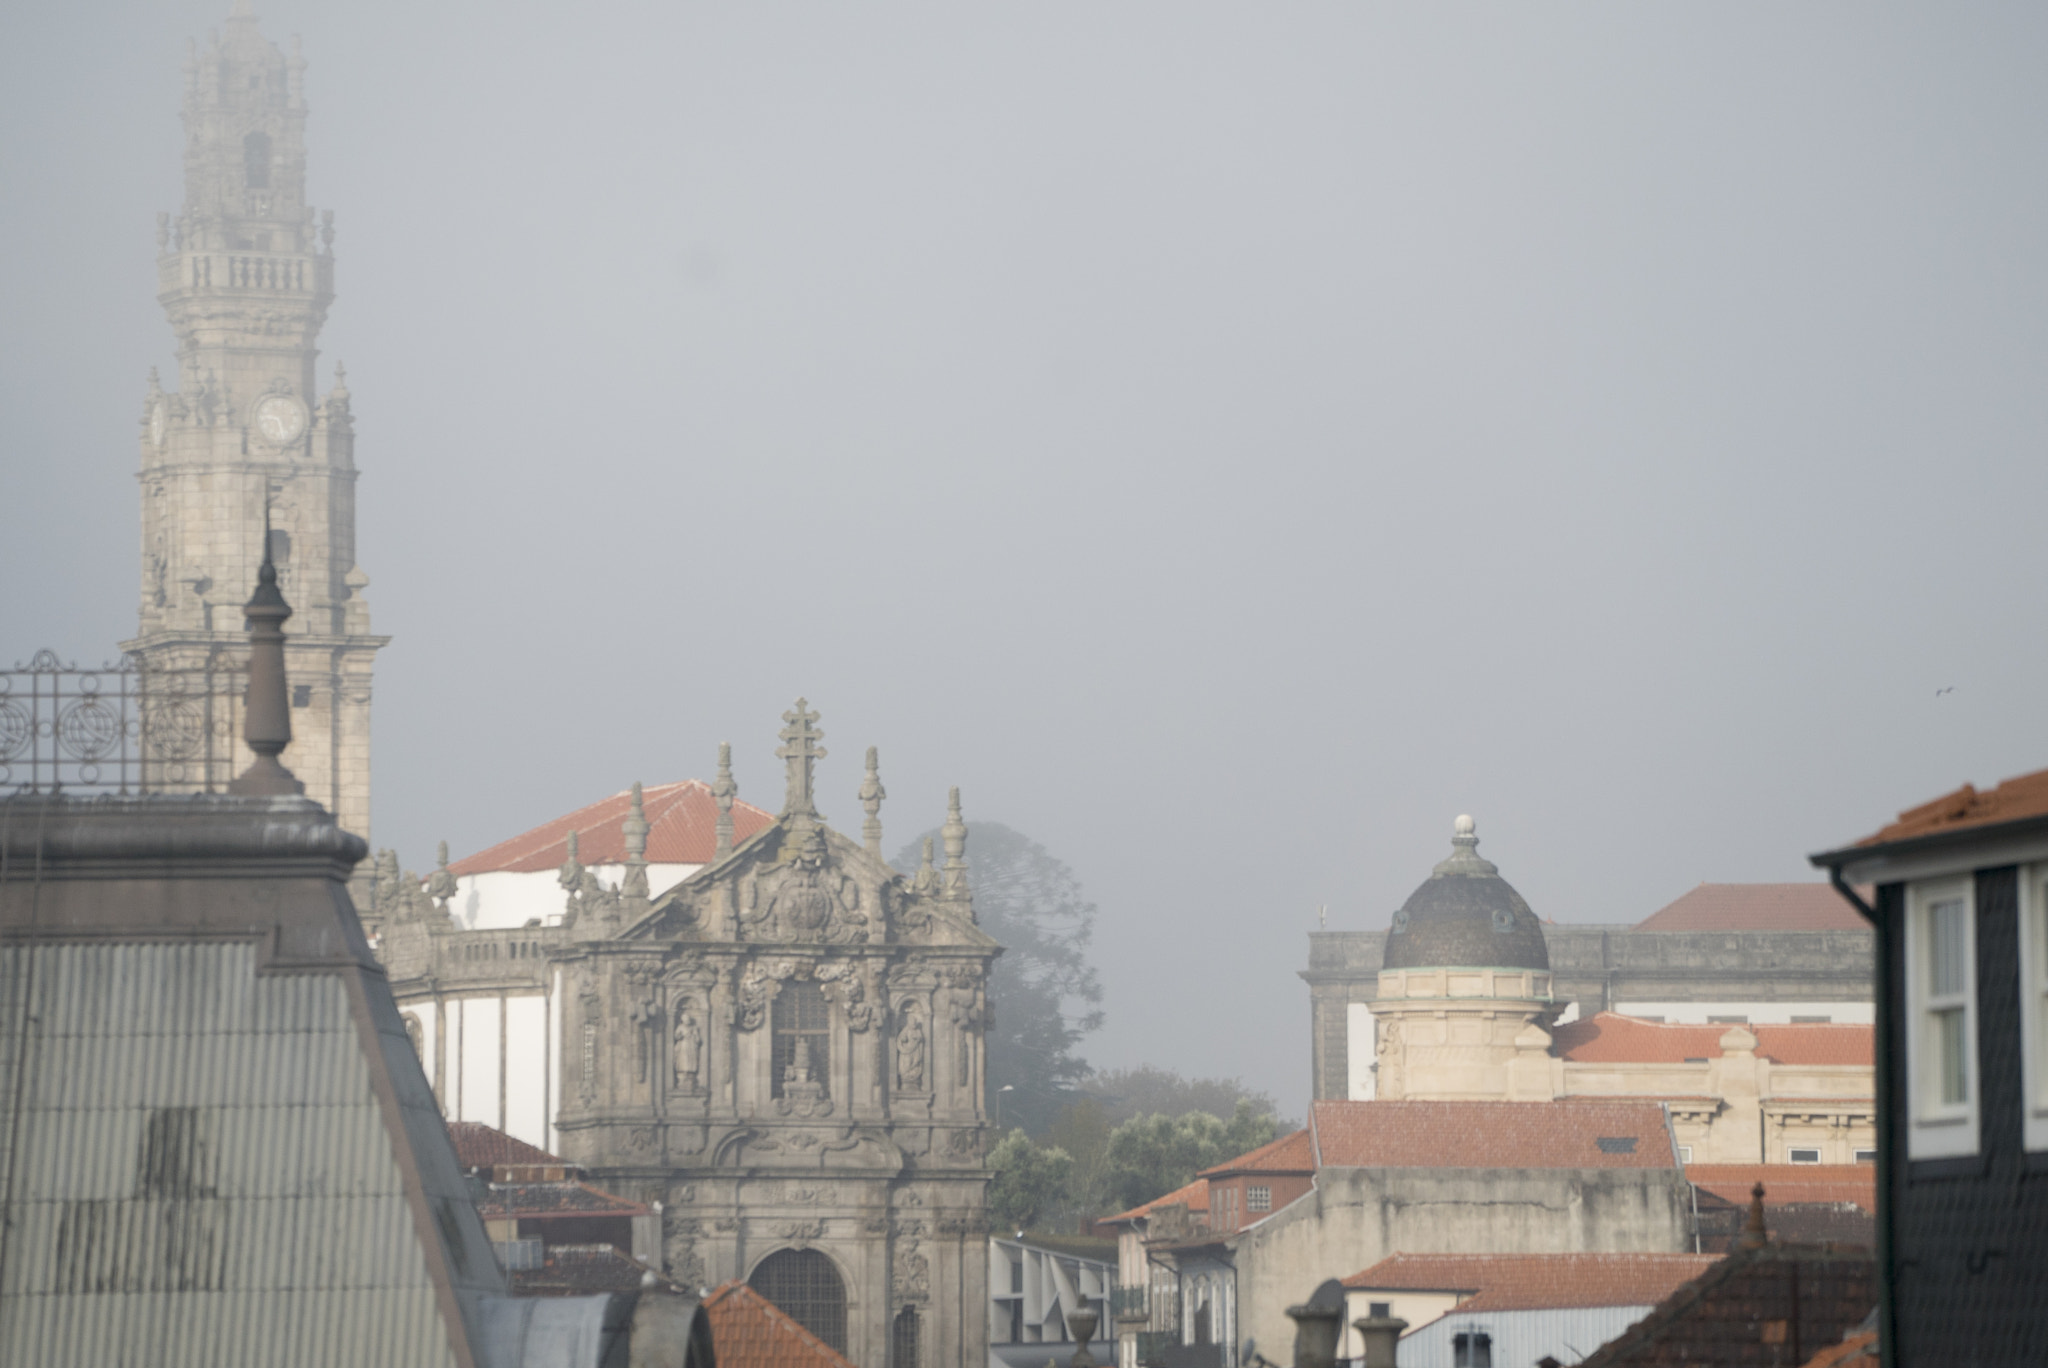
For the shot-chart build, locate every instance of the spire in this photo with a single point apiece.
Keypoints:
(1464, 857)
(801, 752)
(266, 716)
(634, 885)
(441, 886)
(871, 795)
(955, 834)
(1754, 1236)
(723, 791)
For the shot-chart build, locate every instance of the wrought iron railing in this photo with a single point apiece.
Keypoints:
(1128, 1303)
(124, 727)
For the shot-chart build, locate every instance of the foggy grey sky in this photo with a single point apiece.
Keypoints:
(1227, 441)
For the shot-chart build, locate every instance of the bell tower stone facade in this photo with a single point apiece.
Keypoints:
(244, 449)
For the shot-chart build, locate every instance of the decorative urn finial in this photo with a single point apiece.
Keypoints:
(266, 715)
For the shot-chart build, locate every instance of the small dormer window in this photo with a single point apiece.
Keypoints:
(256, 161)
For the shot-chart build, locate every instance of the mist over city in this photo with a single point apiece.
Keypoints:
(1224, 531)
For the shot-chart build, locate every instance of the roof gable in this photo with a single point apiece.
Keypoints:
(752, 1332)
(2013, 800)
(1291, 1153)
(1195, 1197)
(1573, 1133)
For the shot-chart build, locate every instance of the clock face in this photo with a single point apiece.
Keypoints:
(280, 419)
(157, 417)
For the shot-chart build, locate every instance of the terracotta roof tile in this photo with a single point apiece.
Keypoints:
(1856, 1349)
(1788, 1184)
(1575, 1133)
(479, 1146)
(2024, 796)
(1610, 1038)
(507, 1200)
(579, 1270)
(1195, 1195)
(1528, 1282)
(682, 828)
(1757, 907)
(1289, 1154)
(749, 1331)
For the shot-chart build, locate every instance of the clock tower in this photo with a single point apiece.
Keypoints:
(244, 446)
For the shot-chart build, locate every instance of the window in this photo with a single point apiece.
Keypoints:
(1258, 1198)
(1738, 1019)
(802, 1051)
(903, 1339)
(1472, 1349)
(1811, 1020)
(256, 161)
(1866, 1156)
(1685, 1154)
(1802, 1156)
(1379, 1310)
(1941, 1036)
(805, 1285)
(2034, 1006)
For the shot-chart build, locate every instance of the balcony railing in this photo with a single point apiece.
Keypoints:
(1128, 1303)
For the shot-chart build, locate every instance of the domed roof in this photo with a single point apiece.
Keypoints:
(1466, 915)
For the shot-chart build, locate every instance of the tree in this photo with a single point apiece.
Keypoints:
(1043, 992)
(1150, 1156)
(1149, 1090)
(1030, 1182)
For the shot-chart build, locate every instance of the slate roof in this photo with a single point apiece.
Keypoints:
(1465, 914)
(1756, 907)
(1610, 1038)
(682, 828)
(752, 1332)
(1785, 1184)
(581, 1270)
(1294, 1153)
(1574, 1133)
(506, 1201)
(1532, 1282)
(478, 1146)
(1195, 1195)
(1778, 1304)
(2013, 800)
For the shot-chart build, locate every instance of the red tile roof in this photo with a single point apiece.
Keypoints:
(1757, 907)
(1195, 1195)
(1856, 1349)
(479, 1146)
(1787, 1184)
(749, 1331)
(1610, 1038)
(1529, 1282)
(2025, 796)
(1289, 1154)
(579, 1270)
(540, 1200)
(682, 828)
(1575, 1133)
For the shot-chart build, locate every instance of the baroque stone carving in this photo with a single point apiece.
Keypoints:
(910, 1045)
(801, 1233)
(686, 1047)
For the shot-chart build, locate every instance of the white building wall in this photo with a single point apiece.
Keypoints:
(480, 1047)
(500, 898)
(1520, 1337)
(526, 1073)
(1362, 1038)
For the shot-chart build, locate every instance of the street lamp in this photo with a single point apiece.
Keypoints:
(1007, 1087)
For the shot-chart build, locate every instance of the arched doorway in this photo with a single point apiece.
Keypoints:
(808, 1288)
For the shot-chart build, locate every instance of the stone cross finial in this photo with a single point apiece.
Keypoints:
(954, 832)
(723, 791)
(801, 752)
(634, 885)
(266, 716)
(871, 795)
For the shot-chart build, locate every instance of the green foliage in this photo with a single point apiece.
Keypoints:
(1043, 991)
(1149, 1090)
(1150, 1156)
(1031, 1182)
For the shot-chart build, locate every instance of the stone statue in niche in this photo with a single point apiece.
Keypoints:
(802, 1095)
(910, 1055)
(687, 1049)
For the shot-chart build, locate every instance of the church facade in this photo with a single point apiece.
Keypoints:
(243, 447)
(784, 1050)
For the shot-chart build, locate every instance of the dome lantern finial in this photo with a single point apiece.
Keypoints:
(1464, 858)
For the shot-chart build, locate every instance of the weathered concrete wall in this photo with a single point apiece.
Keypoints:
(1356, 1217)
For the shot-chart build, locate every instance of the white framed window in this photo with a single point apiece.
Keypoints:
(1258, 1197)
(2034, 1004)
(1941, 1015)
(1802, 1156)
(1866, 1156)
(1685, 1154)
